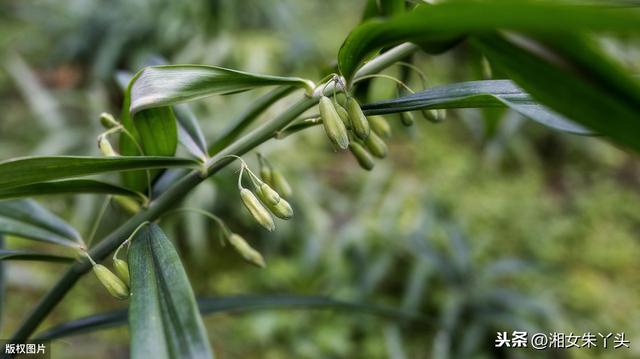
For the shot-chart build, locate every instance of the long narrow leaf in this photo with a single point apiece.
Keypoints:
(72, 186)
(477, 94)
(29, 170)
(28, 219)
(440, 23)
(232, 304)
(32, 256)
(164, 319)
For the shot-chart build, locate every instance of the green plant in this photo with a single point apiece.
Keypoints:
(569, 81)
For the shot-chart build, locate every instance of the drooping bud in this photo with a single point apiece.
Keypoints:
(128, 204)
(122, 270)
(376, 145)
(246, 251)
(358, 120)
(111, 282)
(333, 125)
(344, 115)
(267, 194)
(265, 174)
(105, 146)
(433, 115)
(257, 210)
(407, 118)
(362, 156)
(281, 184)
(380, 126)
(107, 120)
(282, 209)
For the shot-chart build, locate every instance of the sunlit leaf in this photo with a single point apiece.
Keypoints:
(164, 319)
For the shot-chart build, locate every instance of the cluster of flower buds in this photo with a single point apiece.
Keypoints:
(269, 200)
(350, 128)
(116, 285)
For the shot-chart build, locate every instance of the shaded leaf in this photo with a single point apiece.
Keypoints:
(29, 170)
(164, 319)
(232, 304)
(476, 94)
(26, 218)
(72, 186)
(32, 256)
(158, 131)
(571, 76)
(438, 25)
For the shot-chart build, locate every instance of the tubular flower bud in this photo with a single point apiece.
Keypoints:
(433, 115)
(358, 120)
(122, 270)
(281, 184)
(344, 115)
(376, 145)
(380, 126)
(268, 195)
(265, 174)
(246, 251)
(256, 209)
(362, 156)
(111, 282)
(333, 125)
(406, 118)
(107, 120)
(105, 147)
(282, 209)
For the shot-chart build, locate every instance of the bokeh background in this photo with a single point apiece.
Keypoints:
(483, 223)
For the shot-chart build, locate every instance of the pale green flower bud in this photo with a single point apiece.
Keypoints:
(376, 145)
(268, 195)
(256, 209)
(362, 156)
(281, 184)
(282, 209)
(107, 120)
(246, 251)
(111, 282)
(407, 118)
(358, 120)
(380, 126)
(105, 147)
(333, 125)
(344, 115)
(122, 270)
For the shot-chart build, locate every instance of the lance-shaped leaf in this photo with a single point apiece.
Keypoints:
(157, 86)
(72, 186)
(164, 319)
(437, 25)
(476, 94)
(570, 75)
(15, 255)
(235, 304)
(29, 170)
(27, 219)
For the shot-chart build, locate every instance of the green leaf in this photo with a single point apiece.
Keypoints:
(33, 256)
(157, 86)
(232, 304)
(26, 218)
(476, 94)
(29, 170)
(164, 319)
(440, 24)
(158, 131)
(189, 131)
(72, 186)
(571, 76)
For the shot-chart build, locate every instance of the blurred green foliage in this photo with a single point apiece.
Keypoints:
(484, 223)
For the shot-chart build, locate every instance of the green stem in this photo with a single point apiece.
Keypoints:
(179, 190)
